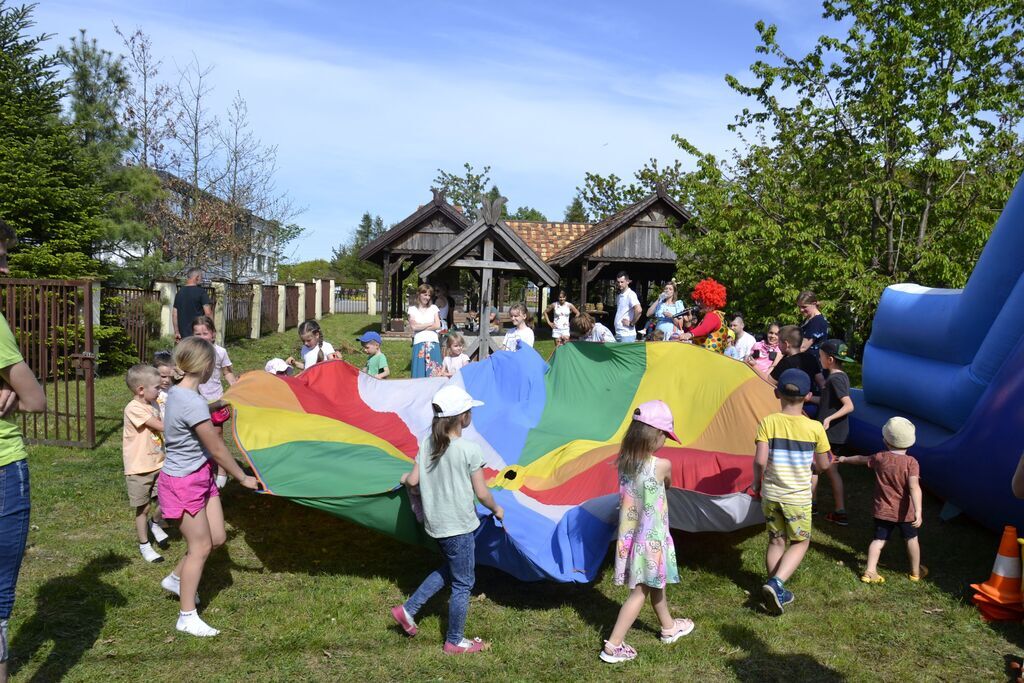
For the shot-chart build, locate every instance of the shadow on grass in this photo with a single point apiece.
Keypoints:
(287, 537)
(70, 612)
(761, 664)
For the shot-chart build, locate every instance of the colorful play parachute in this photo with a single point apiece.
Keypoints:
(337, 439)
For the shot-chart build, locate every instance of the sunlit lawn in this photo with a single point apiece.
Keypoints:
(301, 595)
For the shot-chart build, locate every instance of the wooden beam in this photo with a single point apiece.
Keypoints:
(385, 304)
(590, 274)
(477, 263)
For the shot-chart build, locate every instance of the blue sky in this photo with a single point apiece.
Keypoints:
(365, 101)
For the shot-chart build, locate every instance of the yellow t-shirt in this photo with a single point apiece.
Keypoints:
(141, 447)
(792, 442)
(12, 445)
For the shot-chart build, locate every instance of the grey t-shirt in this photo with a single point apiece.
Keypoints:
(449, 504)
(185, 409)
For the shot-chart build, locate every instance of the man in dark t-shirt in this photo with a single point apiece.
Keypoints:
(190, 302)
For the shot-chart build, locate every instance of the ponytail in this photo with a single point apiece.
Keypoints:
(440, 432)
(320, 350)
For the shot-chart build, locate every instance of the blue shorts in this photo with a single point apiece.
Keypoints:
(884, 527)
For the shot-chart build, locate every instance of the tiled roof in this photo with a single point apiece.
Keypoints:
(547, 239)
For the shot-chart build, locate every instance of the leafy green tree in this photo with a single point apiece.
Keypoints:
(528, 213)
(881, 156)
(47, 184)
(346, 261)
(575, 213)
(465, 190)
(602, 196)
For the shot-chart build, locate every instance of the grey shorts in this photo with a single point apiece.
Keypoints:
(141, 487)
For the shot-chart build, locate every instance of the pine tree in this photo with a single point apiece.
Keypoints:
(575, 213)
(48, 191)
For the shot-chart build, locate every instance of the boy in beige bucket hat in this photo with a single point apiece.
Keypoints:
(897, 496)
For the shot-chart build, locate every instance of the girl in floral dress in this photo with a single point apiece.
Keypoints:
(645, 558)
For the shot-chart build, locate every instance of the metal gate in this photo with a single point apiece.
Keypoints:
(52, 322)
(129, 305)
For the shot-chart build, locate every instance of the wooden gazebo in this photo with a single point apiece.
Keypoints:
(406, 245)
(630, 240)
(487, 247)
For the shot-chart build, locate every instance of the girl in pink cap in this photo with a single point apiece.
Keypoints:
(645, 558)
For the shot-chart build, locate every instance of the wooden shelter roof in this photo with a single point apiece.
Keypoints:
(600, 232)
(374, 250)
(505, 238)
(547, 239)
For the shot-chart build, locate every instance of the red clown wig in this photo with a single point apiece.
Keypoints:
(710, 293)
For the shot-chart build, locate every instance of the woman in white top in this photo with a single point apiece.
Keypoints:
(425, 321)
(521, 333)
(560, 326)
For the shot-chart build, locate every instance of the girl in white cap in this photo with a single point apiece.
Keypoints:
(645, 558)
(449, 473)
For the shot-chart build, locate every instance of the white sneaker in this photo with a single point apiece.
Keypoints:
(222, 480)
(172, 584)
(159, 535)
(149, 554)
(192, 624)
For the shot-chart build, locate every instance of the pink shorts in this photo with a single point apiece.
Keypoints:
(191, 493)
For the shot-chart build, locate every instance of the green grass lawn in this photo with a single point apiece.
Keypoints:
(300, 595)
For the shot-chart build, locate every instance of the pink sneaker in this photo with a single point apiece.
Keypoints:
(404, 620)
(466, 647)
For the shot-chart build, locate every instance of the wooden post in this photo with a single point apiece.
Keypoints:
(282, 306)
(302, 303)
(583, 286)
(97, 294)
(371, 297)
(332, 300)
(318, 302)
(167, 290)
(220, 312)
(486, 275)
(256, 316)
(385, 301)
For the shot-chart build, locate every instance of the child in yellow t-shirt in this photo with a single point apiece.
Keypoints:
(142, 449)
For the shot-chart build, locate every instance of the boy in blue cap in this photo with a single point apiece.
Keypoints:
(377, 363)
(787, 443)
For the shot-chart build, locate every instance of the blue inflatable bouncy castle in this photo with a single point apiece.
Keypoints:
(952, 361)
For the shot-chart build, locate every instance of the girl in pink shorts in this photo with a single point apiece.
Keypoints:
(186, 488)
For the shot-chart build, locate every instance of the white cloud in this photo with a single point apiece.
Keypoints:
(361, 131)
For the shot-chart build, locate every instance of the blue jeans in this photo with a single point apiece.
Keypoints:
(14, 510)
(458, 570)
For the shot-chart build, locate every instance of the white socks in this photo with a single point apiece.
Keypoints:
(159, 535)
(189, 622)
(149, 554)
(172, 584)
(222, 480)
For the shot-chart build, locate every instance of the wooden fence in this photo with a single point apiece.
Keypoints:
(268, 310)
(291, 307)
(237, 311)
(310, 301)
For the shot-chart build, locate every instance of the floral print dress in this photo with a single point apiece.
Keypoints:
(645, 553)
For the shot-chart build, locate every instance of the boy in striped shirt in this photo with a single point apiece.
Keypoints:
(787, 443)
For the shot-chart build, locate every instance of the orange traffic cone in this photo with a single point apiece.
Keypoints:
(999, 598)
